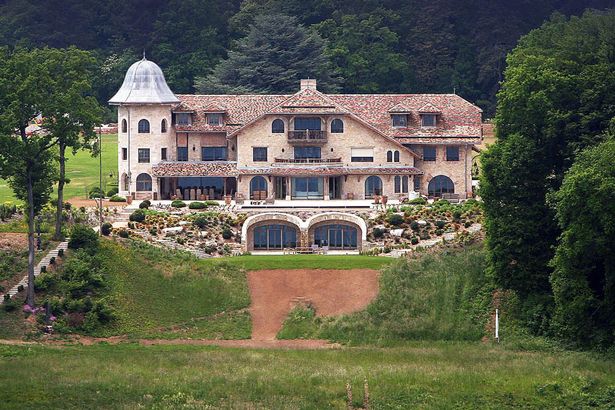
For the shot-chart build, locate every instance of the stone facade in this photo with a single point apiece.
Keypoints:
(246, 123)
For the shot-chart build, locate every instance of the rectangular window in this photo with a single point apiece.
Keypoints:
(362, 155)
(404, 184)
(307, 188)
(428, 120)
(214, 119)
(259, 154)
(400, 120)
(213, 154)
(307, 123)
(452, 153)
(307, 153)
(182, 153)
(124, 154)
(163, 154)
(417, 183)
(143, 155)
(183, 118)
(429, 153)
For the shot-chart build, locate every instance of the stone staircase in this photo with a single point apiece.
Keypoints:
(37, 269)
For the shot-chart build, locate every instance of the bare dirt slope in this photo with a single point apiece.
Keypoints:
(331, 292)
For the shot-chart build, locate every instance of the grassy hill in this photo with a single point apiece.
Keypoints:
(82, 170)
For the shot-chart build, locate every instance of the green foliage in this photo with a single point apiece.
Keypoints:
(197, 205)
(83, 237)
(276, 53)
(378, 232)
(301, 323)
(227, 233)
(106, 228)
(145, 204)
(441, 297)
(7, 211)
(95, 193)
(395, 219)
(584, 263)
(201, 221)
(117, 198)
(112, 192)
(418, 201)
(178, 204)
(554, 102)
(138, 215)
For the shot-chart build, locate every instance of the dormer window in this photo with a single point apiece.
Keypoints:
(214, 119)
(183, 118)
(428, 120)
(399, 120)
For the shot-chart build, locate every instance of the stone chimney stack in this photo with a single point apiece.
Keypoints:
(308, 84)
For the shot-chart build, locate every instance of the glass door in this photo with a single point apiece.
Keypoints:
(280, 187)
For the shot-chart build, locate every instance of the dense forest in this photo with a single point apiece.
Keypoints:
(370, 45)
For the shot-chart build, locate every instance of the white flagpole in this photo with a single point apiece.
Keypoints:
(497, 325)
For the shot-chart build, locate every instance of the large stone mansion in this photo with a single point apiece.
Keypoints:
(303, 146)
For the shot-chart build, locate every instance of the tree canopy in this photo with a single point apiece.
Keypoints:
(413, 46)
(555, 101)
(275, 54)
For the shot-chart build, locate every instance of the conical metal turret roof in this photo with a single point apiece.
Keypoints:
(144, 84)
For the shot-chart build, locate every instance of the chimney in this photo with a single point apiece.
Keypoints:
(308, 84)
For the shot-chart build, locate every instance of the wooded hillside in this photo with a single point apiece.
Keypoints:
(372, 45)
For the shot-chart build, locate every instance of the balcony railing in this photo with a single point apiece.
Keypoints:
(310, 136)
(308, 160)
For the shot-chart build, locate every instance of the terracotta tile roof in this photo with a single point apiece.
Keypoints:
(187, 169)
(229, 169)
(429, 109)
(458, 118)
(329, 170)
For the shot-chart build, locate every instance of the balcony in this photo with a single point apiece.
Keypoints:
(307, 161)
(307, 137)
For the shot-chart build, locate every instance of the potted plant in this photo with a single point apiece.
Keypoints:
(227, 199)
(376, 199)
(385, 199)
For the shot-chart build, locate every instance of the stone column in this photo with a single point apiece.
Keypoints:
(288, 188)
(326, 188)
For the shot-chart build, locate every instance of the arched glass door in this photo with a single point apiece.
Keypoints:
(274, 237)
(336, 236)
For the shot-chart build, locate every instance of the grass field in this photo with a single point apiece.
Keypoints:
(82, 170)
(419, 375)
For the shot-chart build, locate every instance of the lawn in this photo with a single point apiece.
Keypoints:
(251, 262)
(418, 375)
(82, 170)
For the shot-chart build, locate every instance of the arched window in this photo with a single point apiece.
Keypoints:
(440, 185)
(401, 184)
(396, 156)
(163, 125)
(143, 127)
(277, 126)
(337, 126)
(124, 126)
(144, 182)
(275, 236)
(258, 188)
(389, 156)
(373, 186)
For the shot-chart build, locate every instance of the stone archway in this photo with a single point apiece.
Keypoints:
(270, 218)
(337, 218)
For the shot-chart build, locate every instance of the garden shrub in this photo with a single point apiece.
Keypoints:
(197, 205)
(83, 237)
(440, 224)
(138, 215)
(211, 203)
(9, 305)
(96, 192)
(117, 198)
(106, 228)
(178, 204)
(418, 201)
(414, 240)
(6, 211)
(145, 204)
(378, 232)
(201, 221)
(395, 219)
(67, 206)
(227, 233)
(439, 232)
(153, 232)
(414, 225)
(123, 233)
(112, 192)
